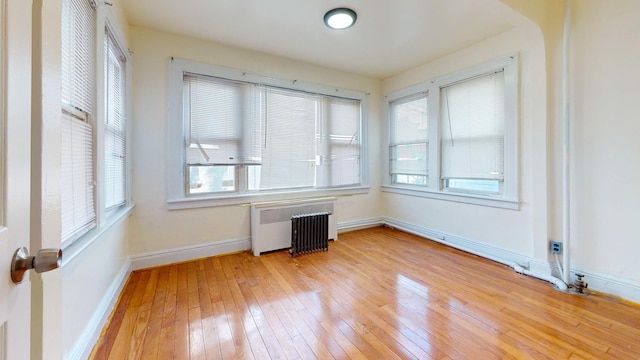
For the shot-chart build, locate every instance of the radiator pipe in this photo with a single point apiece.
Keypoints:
(558, 283)
(566, 259)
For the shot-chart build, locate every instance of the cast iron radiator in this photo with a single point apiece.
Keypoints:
(309, 233)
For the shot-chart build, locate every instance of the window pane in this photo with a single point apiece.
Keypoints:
(408, 150)
(409, 159)
(77, 201)
(410, 179)
(211, 179)
(288, 150)
(475, 185)
(472, 128)
(78, 54)
(340, 155)
(115, 129)
(222, 121)
(409, 121)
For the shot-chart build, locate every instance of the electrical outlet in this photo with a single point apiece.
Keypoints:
(556, 247)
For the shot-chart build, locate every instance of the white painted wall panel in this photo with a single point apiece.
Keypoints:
(606, 169)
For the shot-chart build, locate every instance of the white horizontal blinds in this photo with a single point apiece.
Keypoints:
(115, 124)
(288, 145)
(77, 204)
(78, 54)
(78, 93)
(408, 136)
(472, 127)
(343, 157)
(222, 121)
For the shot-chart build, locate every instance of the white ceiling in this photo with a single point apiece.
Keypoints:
(389, 36)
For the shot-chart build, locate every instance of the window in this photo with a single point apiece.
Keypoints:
(455, 137)
(240, 136)
(472, 128)
(91, 185)
(115, 139)
(408, 142)
(78, 94)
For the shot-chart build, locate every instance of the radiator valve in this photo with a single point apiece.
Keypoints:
(580, 284)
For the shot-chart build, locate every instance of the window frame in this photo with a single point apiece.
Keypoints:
(176, 197)
(106, 20)
(124, 61)
(435, 188)
(393, 175)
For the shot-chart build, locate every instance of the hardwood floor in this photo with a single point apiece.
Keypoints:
(376, 294)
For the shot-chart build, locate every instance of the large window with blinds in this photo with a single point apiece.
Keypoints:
(456, 135)
(249, 135)
(93, 133)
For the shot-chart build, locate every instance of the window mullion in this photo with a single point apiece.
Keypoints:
(242, 176)
(99, 120)
(434, 137)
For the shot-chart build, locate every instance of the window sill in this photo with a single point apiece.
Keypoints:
(457, 197)
(72, 250)
(201, 202)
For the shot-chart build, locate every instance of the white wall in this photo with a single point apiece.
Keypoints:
(606, 168)
(90, 284)
(153, 227)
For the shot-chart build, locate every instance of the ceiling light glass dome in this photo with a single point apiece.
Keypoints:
(340, 18)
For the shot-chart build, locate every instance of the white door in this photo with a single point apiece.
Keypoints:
(15, 128)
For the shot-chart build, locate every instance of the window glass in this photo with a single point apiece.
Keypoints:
(340, 149)
(211, 179)
(408, 149)
(472, 128)
(289, 142)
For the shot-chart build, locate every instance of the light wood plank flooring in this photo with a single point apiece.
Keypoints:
(376, 294)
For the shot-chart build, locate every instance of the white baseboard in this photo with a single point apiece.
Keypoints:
(599, 282)
(84, 345)
(359, 224)
(187, 253)
(606, 284)
(458, 242)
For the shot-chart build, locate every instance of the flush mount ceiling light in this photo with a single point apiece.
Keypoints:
(340, 18)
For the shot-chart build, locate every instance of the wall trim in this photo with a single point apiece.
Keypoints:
(359, 224)
(91, 334)
(461, 243)
(606, 284)
(186, 253)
